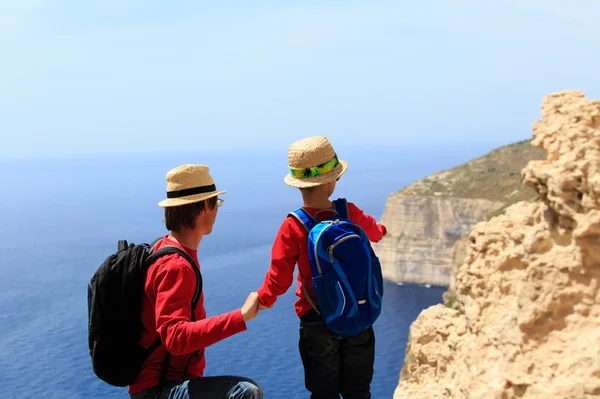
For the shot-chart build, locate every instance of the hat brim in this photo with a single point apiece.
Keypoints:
(339, 170)
(190, 199)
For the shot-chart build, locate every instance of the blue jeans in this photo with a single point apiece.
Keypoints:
(335, 365)
(226, 387)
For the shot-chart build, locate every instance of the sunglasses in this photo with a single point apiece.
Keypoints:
(220, 201)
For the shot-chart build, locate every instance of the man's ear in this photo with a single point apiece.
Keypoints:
(200, 218)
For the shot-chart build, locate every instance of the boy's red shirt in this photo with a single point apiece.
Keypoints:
(166, 311)
(290, 248)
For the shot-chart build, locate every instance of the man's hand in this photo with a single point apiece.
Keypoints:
(250, 308)
(261, 307)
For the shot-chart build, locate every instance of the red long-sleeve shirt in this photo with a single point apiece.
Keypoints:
(166, 312)
(291, 248)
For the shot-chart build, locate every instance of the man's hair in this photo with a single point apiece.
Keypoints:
(181, 217)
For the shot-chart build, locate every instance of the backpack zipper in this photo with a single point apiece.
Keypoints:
(331, 223)
(335, 244)
(343, 296)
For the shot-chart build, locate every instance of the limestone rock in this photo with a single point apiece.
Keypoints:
(528, 324)
(426, 218)
(422, 232)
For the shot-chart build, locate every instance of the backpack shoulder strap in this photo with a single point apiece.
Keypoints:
(341, 207)
(153, 244)
(308, 222)
(171, 249)
(305, 218)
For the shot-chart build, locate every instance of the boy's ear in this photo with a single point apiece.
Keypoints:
(331, 187)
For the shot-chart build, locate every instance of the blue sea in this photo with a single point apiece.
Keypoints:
(62, 217)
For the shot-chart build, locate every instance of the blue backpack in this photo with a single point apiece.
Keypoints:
(347, 278)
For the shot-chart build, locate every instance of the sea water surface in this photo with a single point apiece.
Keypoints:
(62, 217)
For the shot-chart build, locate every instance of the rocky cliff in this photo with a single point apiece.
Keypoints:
(527, 318)
(426, 219)
(422, 232)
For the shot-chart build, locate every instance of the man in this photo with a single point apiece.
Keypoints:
(190, 211)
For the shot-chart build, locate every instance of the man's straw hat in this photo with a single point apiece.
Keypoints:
(187, 184)
(312, 162)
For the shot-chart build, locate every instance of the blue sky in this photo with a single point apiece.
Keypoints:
(83, 77)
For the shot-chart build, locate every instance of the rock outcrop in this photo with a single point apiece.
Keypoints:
(426, 218)
(422, 232)
(527, 318)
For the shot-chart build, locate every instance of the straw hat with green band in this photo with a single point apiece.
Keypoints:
(187, 184)
(312, 162)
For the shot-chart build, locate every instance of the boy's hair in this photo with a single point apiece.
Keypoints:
(308, 190)
(184, 216)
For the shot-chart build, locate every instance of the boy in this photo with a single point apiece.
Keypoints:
(333, 364)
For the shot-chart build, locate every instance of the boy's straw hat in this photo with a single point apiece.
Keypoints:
(313, 162)
(187, 184)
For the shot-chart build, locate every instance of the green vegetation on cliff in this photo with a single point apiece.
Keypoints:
(495, 176)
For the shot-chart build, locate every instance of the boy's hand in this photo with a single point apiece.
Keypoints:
(263, 307)
(250, 308)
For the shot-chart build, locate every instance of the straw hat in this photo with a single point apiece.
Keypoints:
(313, 162)
(187, 184)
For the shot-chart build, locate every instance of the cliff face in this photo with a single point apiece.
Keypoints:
(426, 219)
(422, 232)
(527, 317)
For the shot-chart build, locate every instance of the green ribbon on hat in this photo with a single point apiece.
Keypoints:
(320, 170)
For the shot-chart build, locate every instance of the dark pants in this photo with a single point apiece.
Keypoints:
(205, 388)
(334, 364)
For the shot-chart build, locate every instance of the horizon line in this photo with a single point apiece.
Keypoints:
(350, 146)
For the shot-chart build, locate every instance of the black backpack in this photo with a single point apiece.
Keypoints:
(115, 295)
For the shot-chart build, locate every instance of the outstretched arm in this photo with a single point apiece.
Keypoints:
(174, 285)
(375, 231)
(284, 256)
